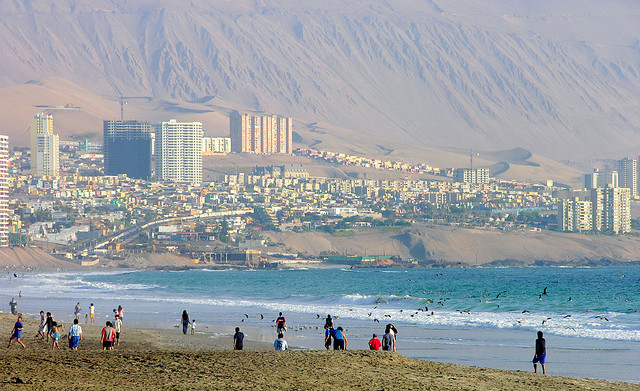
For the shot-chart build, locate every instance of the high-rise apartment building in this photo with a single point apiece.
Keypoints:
(601, 209)
(618, 210)
(466, 175)
(4, 191)
(575, 215)
(600, 179)
(45, 149)
(216, 145)
(261, 134)
(127, 148)
(628, 175)
(178, 151)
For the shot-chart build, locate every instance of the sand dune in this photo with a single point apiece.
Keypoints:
(453, 244)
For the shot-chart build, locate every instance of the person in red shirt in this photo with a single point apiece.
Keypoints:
(374, 343)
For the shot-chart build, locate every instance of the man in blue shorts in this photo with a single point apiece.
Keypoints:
(75, 335)
(541, 353)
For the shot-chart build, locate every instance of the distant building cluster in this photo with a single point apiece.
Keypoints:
(266, 134)
(214, 145)
(599, 209)
(475, 176)
(4, 191)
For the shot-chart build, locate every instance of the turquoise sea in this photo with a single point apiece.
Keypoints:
(475, 316)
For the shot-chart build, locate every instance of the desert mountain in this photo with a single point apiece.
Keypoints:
(561, 79)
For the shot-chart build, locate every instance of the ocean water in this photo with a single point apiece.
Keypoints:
(484, 317)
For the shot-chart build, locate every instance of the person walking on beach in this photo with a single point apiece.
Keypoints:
(75, 335)
(185, 322)
(121, 313)
(328, 326)
(388, 341)
(374, 343)
(280, 343)
(42, 326)
(394, 332)
(238, 339)
(16, 332)
(48, 330)
(13, 306)
(77, 310)
(540, 354)
(117, 326)
(193, 326)
(281, 323)
(92, 311)
(107, 336)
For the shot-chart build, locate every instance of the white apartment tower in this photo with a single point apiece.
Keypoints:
(4, 191)
(575, 215)
(618, 210)
(628, 175)
(178, 151)
(45, 149)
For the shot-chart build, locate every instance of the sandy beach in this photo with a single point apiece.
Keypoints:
(167, 359)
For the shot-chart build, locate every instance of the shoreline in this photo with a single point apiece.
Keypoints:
(487, 344)
(141, 361)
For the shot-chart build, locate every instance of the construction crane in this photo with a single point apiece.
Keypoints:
(68, 106)
(123, 102)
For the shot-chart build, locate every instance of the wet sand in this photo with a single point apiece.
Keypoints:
(167, 359)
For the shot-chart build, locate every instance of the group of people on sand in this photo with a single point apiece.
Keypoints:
(388, 342)
(49, 329)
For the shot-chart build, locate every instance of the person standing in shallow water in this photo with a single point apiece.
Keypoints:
(540, 354)
(185, 322)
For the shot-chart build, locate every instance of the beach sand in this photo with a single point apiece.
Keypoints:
(167, 359)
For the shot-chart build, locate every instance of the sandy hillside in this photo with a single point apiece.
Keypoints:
(451, 244)
(31, 257)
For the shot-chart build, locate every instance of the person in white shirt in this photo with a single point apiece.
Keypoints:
(280, 343)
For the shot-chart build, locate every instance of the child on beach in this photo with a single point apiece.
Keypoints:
(193, 326)
(16, 332)
(92, 311)
(56, 337)
(42, 326)
(374, 343)
(117, 325)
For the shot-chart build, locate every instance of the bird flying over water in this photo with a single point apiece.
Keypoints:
(500, 294)
(543, 322)
(545, 291)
